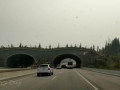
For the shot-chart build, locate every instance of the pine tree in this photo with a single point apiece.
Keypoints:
(20, 45)
(75, 46)
(25, 46)
(80, 45)
(112, 47)
(93, 47)
(67, 46)
(97, 48)
(12, 46)
(8, 46)
(39, 46)
(2, 46)
(58, 45)
(50, 46)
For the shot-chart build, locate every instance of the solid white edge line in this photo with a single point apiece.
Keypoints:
(87, 81)
(53, 78)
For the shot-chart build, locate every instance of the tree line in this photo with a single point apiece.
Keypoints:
(50, 46)
(112, 47)
(111, 53)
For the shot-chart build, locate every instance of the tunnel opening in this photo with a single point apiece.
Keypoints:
(20, 61)
(65, 61)
(59, 58)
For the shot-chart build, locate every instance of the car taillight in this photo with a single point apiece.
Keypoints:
(48, 68)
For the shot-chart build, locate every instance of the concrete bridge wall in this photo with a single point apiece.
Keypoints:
(46, 54)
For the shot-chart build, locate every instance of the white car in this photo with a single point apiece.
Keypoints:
(44, 69)
(58, 67)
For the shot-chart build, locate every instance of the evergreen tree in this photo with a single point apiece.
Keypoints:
(97, 48)
(112, 47)
(50, 46)
(20, 45)
(39, 46)
(80, 46)
(2, 46)
(8, 46)
(25, 46)
(67, 46)
(93, 47)
(58, 45)
(12, 46)
(75, 46)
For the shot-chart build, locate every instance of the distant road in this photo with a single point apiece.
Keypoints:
(64, 79)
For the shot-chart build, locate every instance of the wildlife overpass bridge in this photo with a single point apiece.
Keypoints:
(26, 57)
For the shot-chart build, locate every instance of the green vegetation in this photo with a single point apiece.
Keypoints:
(112, 48)
(109, 62)
(111, 54)
(40, 47)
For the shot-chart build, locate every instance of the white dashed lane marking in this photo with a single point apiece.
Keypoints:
(53, 78)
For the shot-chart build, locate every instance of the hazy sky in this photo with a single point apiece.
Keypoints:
(59, 21)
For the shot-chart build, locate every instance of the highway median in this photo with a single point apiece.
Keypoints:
(4, 75)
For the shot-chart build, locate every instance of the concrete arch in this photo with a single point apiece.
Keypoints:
(19, 60)
(59, 58)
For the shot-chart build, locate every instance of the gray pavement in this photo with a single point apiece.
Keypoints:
(100, 80)
(64, 79)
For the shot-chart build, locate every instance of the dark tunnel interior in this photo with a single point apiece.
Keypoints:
(19, 61)
(59, 58)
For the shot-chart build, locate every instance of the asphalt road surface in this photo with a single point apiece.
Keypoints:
(64, 79)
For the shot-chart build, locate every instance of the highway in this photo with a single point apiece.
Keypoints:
(64, 79)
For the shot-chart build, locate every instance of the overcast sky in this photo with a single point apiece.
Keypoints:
(59, 21)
